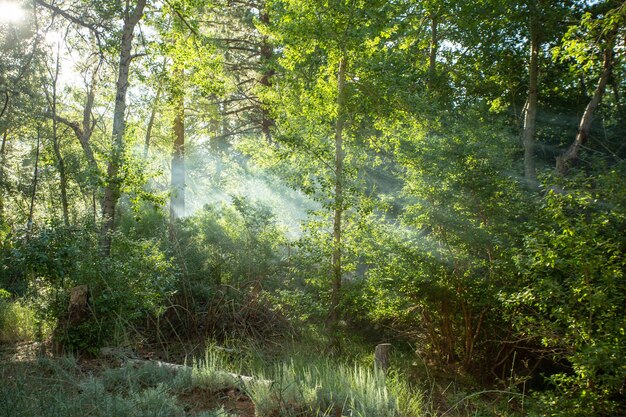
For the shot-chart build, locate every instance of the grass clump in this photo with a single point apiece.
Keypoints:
(56, 387)
(211, 374)
(133, 378)
(17, 320)
(326, 388)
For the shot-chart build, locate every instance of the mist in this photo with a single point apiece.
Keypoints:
(214, 178)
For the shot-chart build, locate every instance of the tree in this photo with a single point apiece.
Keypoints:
(530, 108)
(113, 181)
(20, 95)
(177, 93)
(600, 31)
(52, 102)
(320, 101)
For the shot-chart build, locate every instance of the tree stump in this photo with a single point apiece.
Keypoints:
(77, 313)
(78, 309)
(381, 356)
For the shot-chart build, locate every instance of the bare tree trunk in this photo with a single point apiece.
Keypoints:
(112, 188)
(530, 109)
(177, 198)
(381, 356)
(266, 79)
(564, 160)
(338, 205)
(55, 143)
(35, 177)
(148, 138)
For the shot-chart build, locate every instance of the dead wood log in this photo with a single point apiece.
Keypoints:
(175, 368)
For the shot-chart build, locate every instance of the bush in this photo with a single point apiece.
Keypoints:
(573, 293)
(133, 283)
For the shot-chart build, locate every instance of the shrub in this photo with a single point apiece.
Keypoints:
(572, 296)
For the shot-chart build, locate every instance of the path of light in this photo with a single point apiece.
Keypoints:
(11, 12)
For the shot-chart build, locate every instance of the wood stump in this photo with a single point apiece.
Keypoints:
(381, 356)
(77, 313)
(78, 309)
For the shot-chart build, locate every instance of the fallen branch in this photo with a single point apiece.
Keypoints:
(175, 368)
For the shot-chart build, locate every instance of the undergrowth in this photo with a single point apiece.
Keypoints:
(327, 388)
(302, 386)
(17, 320)
(56, 387)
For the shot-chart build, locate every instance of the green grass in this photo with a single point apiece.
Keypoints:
(56, 387)
(17, 321)
(299, 387)
(326, 388)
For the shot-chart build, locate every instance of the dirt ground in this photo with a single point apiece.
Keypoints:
(233, 401)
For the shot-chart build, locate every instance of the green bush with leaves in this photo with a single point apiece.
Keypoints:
(44, 263)
(236, 244)
(433, 270)
(134, 283)
(228, 257)
(573, 294)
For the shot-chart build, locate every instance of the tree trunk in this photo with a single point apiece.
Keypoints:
(447, 332)
(31, 208)
(564, 160)
(266, 79)
(84, 131)
(5, 133)
(381, 356)
(56, 146)
(530, 109)
(62, 174)
(113, 183)
(177, 182)
(177, 198)
(338, 206)
(146, 145)
(87, 130)
(2, 162)
(434, 44)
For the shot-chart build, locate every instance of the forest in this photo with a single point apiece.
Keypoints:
(223, 207)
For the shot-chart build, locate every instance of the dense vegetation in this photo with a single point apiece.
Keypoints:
(306, 179)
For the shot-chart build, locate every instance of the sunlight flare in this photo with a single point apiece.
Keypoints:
(11, 12)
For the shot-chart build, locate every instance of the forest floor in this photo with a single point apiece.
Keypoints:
(180, 380)
(28, 368)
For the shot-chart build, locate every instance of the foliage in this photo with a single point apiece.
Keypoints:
(434, 271)
(571, 302)
(398, 123)
(236, 244)
(228, 258)
(46, 263)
